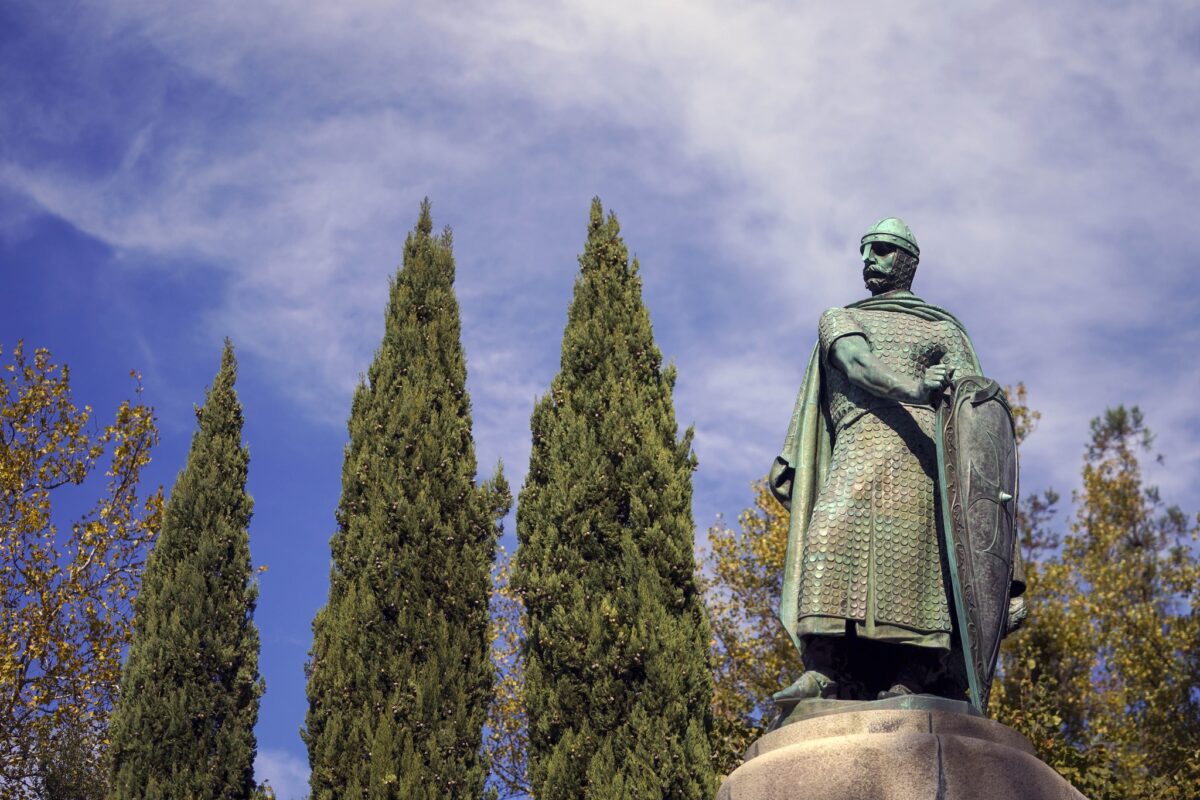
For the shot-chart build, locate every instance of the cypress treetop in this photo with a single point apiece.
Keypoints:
(184, 723)
(617, 677)
(400, 674)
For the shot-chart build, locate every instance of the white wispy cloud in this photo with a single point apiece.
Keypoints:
(286, 773)
(1044, 155)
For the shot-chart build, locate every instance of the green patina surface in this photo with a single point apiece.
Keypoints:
(867, 596)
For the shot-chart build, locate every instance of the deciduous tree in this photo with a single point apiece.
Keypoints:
(508, 726)
(65, 592)
(752, 655)
(1106, 677)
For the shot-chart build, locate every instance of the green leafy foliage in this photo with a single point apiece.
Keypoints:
(507, 726)
(617, 683)
(1105, 678)
(65, 615)
(399, 678)
(184, 724)
(752, 655)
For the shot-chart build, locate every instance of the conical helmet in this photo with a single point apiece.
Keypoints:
(893, 231)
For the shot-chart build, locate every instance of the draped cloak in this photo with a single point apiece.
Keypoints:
(808, 448)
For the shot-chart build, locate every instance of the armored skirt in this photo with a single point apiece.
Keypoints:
(872, 554)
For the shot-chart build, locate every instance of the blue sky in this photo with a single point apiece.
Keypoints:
(171, 174)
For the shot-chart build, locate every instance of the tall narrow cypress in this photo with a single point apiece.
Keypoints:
(399, 676)
(617, 679)
(184, 723)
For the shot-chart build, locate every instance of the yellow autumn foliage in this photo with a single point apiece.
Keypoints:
(1105, 679)
(65, 592)
(1105, 676)
(752, 656)
(506, 734)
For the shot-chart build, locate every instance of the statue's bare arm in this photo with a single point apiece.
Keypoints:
(853, 356)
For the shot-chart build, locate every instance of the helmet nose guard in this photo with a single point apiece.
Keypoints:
(893, 231)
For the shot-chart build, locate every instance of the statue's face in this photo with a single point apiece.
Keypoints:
(879, 267)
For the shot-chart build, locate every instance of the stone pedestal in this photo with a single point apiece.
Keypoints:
(894, 754)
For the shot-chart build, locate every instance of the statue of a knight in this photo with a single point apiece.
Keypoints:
(883, 571)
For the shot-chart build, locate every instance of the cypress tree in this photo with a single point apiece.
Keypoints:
(399, 676)
(617, 677)
(184, 723)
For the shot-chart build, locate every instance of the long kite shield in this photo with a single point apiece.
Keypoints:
(977, 480)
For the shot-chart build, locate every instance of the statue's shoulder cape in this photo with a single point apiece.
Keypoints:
(809, 441)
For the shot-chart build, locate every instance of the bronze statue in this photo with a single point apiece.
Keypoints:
(899, 468)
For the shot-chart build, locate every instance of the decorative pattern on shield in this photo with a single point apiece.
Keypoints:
(977, 470)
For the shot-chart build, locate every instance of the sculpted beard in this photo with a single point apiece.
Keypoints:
(901, 275)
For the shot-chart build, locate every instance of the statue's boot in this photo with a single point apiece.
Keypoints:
(811, 684)
(822, 657)
(916, 671)
(898, 689)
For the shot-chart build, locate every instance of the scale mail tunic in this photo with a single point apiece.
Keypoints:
(872, 552)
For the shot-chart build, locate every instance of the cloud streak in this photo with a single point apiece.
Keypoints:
(1043, 155)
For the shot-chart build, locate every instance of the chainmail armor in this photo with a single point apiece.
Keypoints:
(905, 270)
(871, 553)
